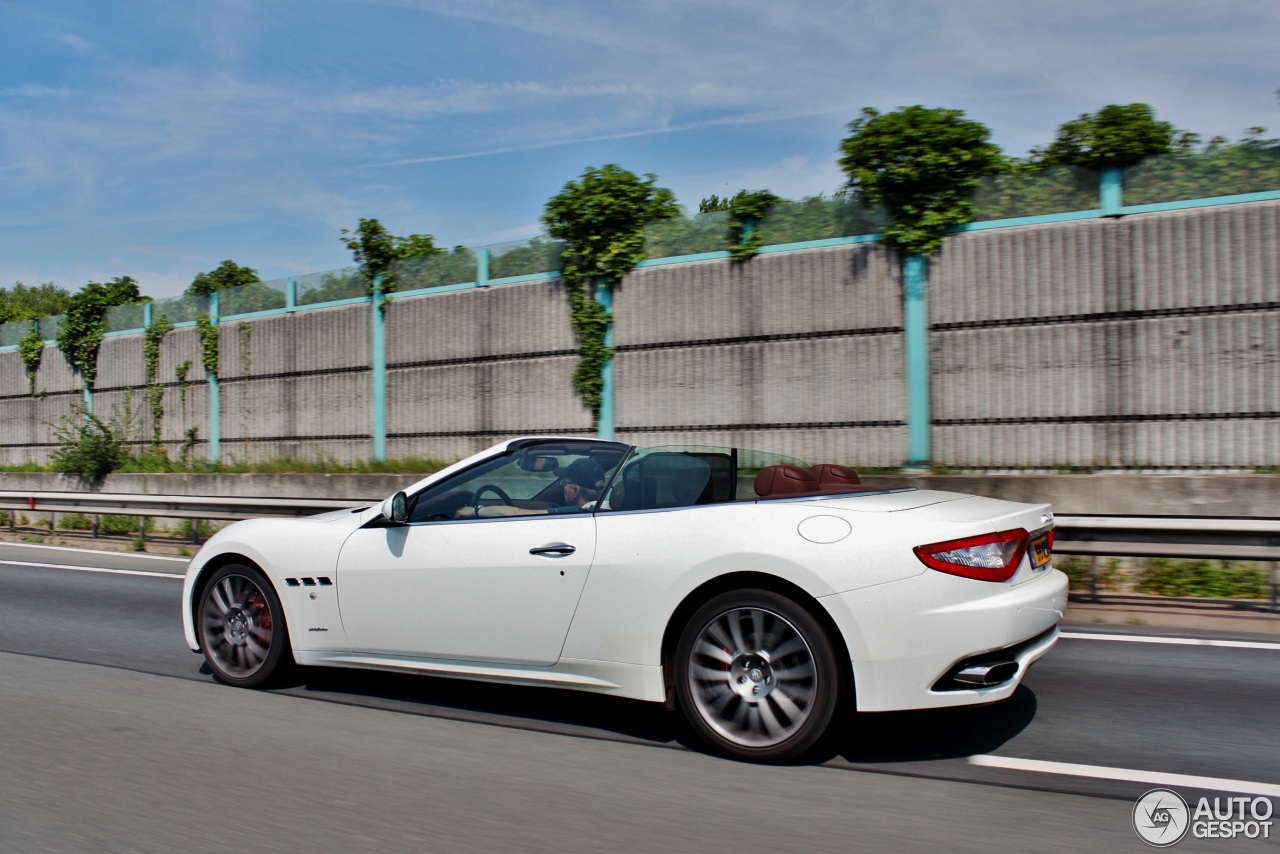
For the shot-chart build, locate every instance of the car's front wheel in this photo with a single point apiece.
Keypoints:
(242, 627)
(756, 676)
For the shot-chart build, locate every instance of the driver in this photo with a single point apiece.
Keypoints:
(582, 481)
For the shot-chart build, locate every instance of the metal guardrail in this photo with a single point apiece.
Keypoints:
(1187, 537)
(1205, 537)
(170, 506)
(195, 508)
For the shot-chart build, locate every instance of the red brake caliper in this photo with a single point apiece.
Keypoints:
(261, 612)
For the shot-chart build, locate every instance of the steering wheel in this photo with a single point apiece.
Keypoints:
(496, 490)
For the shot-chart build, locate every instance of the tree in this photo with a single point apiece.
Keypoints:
(228, 274)
(601, 218)
(714, 204)
(84, 325)
(923, 165)
(377, 250)
(32, 303)
(746, 209)
(1114, 136)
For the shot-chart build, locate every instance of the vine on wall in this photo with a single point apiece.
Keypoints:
(84, 323)
(155, 390)
(31, 348)
(208, 345)
(601, 218)
(191, 434)
(746, 209)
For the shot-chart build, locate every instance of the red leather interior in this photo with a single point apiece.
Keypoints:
(778, 480)
(830, 474)
(823, 479)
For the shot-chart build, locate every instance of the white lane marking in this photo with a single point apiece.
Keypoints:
(88, 551)
(1173, 641)
(141, 572)
(1099, 772)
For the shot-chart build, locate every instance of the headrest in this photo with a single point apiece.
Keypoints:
(785, 480)
(830, 475)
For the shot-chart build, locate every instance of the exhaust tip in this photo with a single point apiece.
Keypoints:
(986, 674)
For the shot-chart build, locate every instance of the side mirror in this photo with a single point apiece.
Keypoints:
(396, 508)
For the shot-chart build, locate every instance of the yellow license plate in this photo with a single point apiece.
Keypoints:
(1040, 554)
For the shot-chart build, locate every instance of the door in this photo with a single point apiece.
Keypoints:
(487, 590)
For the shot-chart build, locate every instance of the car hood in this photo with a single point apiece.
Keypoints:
(357, 513)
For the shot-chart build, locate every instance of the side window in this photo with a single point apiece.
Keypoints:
(662, 480)
(537, 480)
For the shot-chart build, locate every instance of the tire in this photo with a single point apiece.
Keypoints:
(242, 628)
(757, 677)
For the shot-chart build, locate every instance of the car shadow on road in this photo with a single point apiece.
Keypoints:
(540, 709)
(860, 739)
(929, 734)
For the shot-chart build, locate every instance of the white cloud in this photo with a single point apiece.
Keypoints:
(163, 252)
(255, 140)
(77, 43)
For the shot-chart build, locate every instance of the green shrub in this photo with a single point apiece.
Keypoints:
(184, 527)
(1206, 578)
(89, 447)
(118, 524)
(74, 522)
(1077, 569)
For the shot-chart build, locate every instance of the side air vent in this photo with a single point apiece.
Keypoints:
(308, 582)
(292, 582)
(324, 581)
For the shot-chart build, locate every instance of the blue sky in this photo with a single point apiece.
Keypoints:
(155, 138)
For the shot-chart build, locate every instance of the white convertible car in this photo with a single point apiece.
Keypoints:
(766, 598)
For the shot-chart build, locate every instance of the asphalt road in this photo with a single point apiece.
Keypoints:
(114, 738)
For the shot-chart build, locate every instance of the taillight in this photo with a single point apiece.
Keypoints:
(986, 557)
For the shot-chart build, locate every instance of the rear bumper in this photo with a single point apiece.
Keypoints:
(904, 637)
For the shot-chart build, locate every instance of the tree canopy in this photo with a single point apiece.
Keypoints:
(84, 325)
(375, 249)
(923, 165)
(601, 218)
(228, 274)
(1114, 136)
(31, 303)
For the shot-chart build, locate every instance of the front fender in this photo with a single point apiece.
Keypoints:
(281, 548)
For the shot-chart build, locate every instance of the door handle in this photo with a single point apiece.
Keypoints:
(558, 550)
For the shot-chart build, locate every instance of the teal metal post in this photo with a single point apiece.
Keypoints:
(88, 401)
(915, 313)
(482, 268)
(1111, 190)
(291, 295)
(604, 425)
(215, 394)
(146, 315)
(379, 374)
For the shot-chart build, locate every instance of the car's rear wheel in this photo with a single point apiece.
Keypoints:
(242, 628)
(757, 677)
